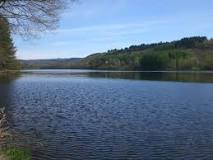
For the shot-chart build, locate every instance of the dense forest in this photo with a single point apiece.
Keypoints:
(193, 53)
(7, 50)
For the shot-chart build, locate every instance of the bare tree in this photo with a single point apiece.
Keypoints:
(28, 17)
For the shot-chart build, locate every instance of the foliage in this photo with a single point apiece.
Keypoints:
(7, 49)
(193, 53)
(17, 154)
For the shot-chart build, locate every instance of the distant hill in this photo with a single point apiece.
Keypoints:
(50, 63)
(193, 53)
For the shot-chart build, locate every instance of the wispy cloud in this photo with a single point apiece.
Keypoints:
(104, 33)
(98, 25)
(112, 28)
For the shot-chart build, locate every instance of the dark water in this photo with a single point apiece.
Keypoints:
(90, 115)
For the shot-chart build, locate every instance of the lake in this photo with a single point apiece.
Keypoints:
(103, 115)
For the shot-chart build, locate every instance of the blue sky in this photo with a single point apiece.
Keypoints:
(92, 26)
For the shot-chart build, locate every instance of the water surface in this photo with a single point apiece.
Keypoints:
(83, 114)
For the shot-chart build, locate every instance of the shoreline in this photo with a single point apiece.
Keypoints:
(121, 71)
(9, 150)
(9, 71)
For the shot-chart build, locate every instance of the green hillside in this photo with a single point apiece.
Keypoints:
(194, 53)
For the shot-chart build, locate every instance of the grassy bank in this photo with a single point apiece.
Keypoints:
(16, 154)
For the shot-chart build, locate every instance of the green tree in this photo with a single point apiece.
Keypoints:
(154, 61)
(7, 49)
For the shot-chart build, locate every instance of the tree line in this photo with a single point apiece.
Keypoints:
(192, 53)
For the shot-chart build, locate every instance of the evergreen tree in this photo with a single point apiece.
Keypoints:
(7, 49)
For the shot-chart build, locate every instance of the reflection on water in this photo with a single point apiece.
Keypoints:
(6, 78)
(157, 76)
(184, 76)
(6, 81)
(10, 137)
(101, 115)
